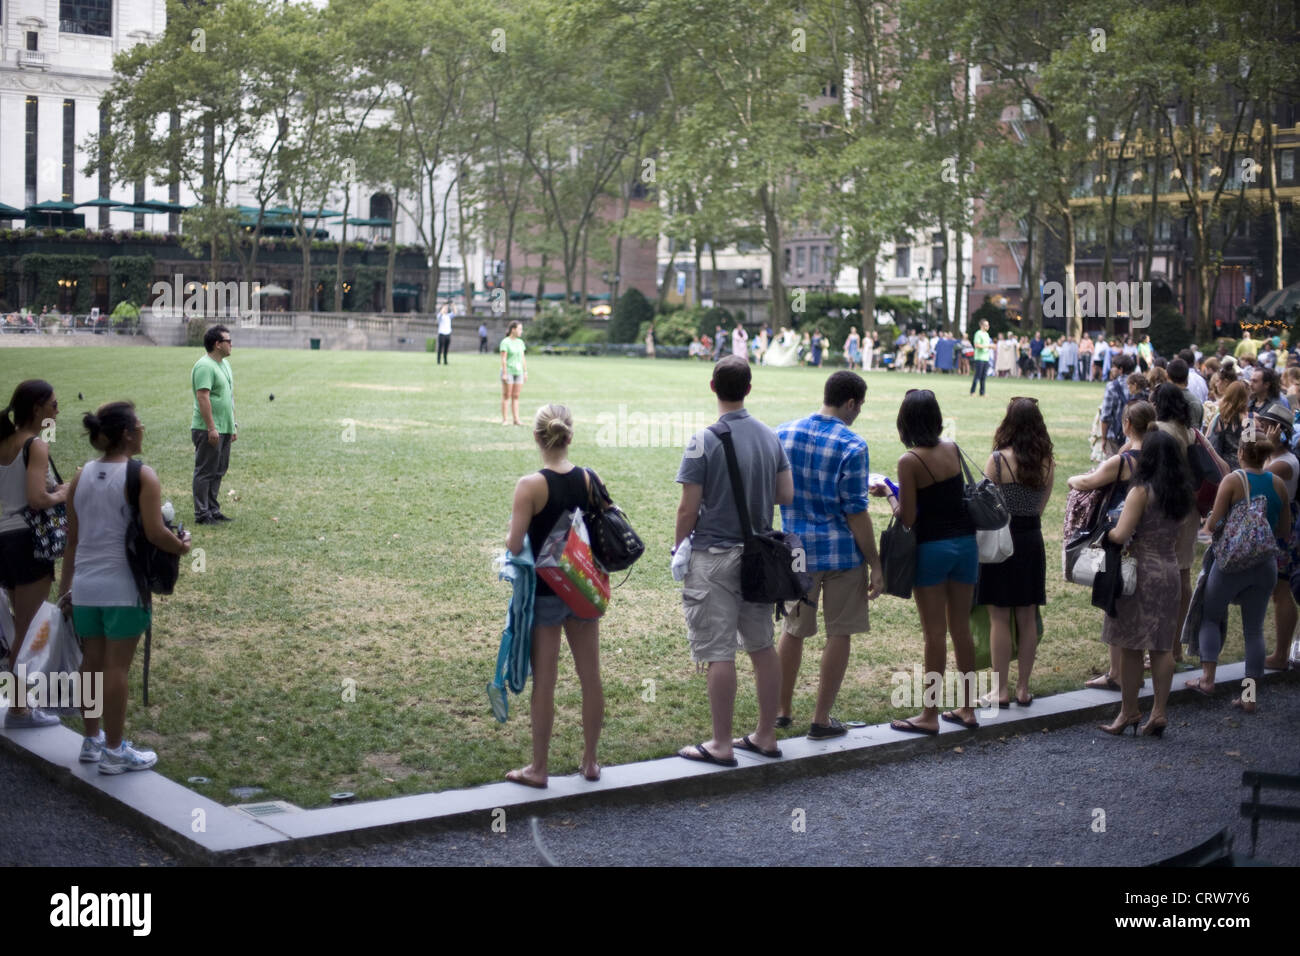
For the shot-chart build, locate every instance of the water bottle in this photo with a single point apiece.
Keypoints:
(168, 512)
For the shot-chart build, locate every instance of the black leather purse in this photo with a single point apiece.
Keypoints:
(155, 570)
(614, 544)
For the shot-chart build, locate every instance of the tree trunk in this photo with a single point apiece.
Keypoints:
(668, 272)
(1270, 157)
(1030, 303)
(699, 276)
(1074, 325)
(867, 292)
(772, 227)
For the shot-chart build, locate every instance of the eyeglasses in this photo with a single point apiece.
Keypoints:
(1024, 398)
(918, 391)
(227, 341)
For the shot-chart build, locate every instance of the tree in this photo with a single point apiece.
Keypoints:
(631, 310)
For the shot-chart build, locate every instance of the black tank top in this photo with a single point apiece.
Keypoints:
(941, 509)
(563, 493)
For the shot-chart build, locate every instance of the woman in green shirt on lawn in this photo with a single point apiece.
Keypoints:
(514, 371)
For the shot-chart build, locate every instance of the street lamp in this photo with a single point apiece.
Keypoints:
(612, 282)
(921, 274)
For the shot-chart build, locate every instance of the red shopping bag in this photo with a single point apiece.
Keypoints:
(567, 566)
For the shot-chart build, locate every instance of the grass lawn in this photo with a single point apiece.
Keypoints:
(370, 496)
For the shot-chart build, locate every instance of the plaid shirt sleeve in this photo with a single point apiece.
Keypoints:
(853, 482)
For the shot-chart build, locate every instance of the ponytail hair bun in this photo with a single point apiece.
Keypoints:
(109, 426)
(553, 426)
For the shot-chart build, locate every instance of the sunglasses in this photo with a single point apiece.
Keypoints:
(918, 391)
(1024, 398)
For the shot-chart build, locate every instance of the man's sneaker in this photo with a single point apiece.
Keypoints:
(35, 717)
(92, 748)
(826, 731)
(126, 758)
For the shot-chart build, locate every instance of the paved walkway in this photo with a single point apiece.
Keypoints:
(1006, 795)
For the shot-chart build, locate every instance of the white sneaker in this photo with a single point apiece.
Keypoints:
(92, 748)
(35, 717)
(126, 758)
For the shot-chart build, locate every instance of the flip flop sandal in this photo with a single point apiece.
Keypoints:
(907, 727)
(706, 757)
(1111, 684)
(515, 776)
(747, 744)
(952, 718)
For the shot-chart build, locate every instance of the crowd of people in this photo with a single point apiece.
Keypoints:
(816, 469)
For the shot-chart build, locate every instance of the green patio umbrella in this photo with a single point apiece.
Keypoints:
(1284, 298)
(101, 202)
(160, 205)
(9, 212)
(369, 222)
(53, 205)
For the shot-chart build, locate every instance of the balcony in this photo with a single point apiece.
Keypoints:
(32, 59)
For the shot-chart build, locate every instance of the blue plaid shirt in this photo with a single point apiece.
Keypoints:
(828, 461)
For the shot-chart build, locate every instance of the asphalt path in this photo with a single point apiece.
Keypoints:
(1066, 797)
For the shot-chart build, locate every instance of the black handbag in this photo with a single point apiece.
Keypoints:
(773, 564)
(984, 502)
(898, 558)
(154, 569)
(49, 526)
(613, 542)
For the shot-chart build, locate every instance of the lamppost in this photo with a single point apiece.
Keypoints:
(741, 283)
(921, 274)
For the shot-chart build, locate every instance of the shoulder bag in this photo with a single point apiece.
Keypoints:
(613, 542)
(49, 525)
(997, 545)
(772, 564)
(898, 558)
(984, 502)
(1247, 538)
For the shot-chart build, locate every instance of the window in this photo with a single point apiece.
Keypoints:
(33, 40)
(69, 147)
(381, 207)
(799, 256)
(1164, 230)
(1286, 164)
(988, 276)
(29, 172)
(902, 262)
(828, 256)
(90, 17)
(815, 260)
(787, 260)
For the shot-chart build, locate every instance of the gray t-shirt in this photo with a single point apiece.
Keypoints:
(761, 458)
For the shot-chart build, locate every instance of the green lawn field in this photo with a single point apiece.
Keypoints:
(338, 635)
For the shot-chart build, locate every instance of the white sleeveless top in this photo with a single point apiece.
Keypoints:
(13, 494)
(102, 577)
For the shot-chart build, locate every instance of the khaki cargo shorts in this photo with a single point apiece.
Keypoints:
(845, 608)
(717, 619)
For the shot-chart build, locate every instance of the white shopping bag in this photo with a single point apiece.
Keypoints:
(50, 661)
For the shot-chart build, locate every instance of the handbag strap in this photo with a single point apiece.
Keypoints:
(965, 469)
(923, 465)
(723, 431)
(58, 480)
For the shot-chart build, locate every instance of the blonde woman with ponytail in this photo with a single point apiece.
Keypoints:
(24, 485)
(540, 500)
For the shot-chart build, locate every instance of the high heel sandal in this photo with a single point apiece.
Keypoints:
(1147, 730)
(1110, 728)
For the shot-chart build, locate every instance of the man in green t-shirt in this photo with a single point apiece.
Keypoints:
(212, 427)
(982, 344)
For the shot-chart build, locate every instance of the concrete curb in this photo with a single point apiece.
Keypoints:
(202, 831)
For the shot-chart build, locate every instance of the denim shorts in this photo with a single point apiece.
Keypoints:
(948, 559)
(549, 610)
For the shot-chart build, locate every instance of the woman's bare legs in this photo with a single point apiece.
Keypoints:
(584, 644)
(1027, 632)
(1285, 613)
(546, 662)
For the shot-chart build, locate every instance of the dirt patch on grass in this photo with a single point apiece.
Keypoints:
(380, 388)
(388, 765)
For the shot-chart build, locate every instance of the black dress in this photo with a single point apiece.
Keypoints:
(1020, 580)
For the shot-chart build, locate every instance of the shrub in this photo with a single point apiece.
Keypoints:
(431, 345)
(631, 312)
(586, 336)
(674, 329)
(1168, 330)
(555, 325)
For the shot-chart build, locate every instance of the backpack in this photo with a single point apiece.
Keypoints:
(1247, 538)
(155, 570)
